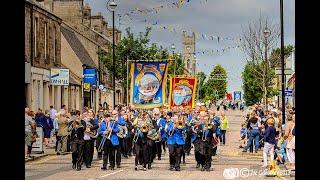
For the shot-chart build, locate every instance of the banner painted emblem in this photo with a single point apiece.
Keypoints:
(148, 82)
(182, 91)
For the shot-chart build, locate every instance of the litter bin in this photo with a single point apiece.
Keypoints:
(37, 147)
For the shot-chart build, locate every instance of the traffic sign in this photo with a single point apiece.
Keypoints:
(277, 71)
(216, 93)
(288, 93)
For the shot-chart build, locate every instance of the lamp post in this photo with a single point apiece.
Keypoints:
(82, 88)
(266, 34)
(111, 7)
(282, 63)
(172, 48)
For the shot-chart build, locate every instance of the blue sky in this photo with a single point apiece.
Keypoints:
(217, 18)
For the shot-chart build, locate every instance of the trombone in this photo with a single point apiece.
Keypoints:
(104, 137)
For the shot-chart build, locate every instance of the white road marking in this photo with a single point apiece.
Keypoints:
(110, 174)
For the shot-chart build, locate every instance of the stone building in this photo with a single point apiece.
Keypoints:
(42, 52)
(92, 33)
(188, 53)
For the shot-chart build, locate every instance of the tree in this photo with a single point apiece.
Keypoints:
(201, 85)
(256, 47)
(251, 91)
(131, 48)
(217, 81)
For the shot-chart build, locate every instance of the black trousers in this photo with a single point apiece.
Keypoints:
(161, 145)
(69, 143)
(175, 154)
(141, 150)
(205, 154)
(164, 143)
(109, 152)
(128, 142)
(222, 137)
(98, 141)
(124, 147)
(119, 151)
(77, 152)
(88, 151)
(196, 144)
(214, 151)
(187, 145)
(152, 151)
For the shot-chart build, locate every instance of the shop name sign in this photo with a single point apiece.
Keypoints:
(89, 76)
(59, 77)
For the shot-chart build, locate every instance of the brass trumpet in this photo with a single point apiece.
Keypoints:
(180, 124)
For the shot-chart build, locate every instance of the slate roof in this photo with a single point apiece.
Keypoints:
(77, 47)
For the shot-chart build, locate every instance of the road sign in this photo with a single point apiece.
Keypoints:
(277, 71)
(216, 93)
(288, 93)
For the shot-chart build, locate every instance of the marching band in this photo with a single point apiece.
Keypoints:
(145, 134)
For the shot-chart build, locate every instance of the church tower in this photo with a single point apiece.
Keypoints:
(188, 53)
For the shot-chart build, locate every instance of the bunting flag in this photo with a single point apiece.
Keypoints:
(182, 91)
(148, 84)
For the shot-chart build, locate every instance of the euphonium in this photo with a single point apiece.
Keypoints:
(144, 128)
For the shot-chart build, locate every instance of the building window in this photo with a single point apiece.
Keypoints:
(35, 37)
(54, 43)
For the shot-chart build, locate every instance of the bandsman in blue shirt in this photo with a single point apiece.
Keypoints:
(175, 141)
(110, 142)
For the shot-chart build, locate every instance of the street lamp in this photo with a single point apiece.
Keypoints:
(82, 88)
(282, 63)
(111, 7)
(266, 34)
(172, 48)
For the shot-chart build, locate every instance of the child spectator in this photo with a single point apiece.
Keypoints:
(243, 136)
(269, 142)
(281, 154)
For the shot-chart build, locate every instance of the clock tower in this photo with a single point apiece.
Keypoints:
(188, 53)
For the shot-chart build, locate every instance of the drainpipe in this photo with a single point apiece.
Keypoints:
(31, 36)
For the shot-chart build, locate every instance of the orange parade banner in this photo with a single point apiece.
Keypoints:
(182, 91)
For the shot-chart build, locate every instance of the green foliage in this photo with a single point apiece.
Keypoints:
(213, 84)
(252, 92)
(176, 67)
(131, 48)
(201, 85)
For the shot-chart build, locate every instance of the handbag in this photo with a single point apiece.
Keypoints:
(291, 144)
(215, 141)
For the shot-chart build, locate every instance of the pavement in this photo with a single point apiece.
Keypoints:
(47, 151)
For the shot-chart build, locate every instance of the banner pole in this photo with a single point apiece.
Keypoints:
(128, 82)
